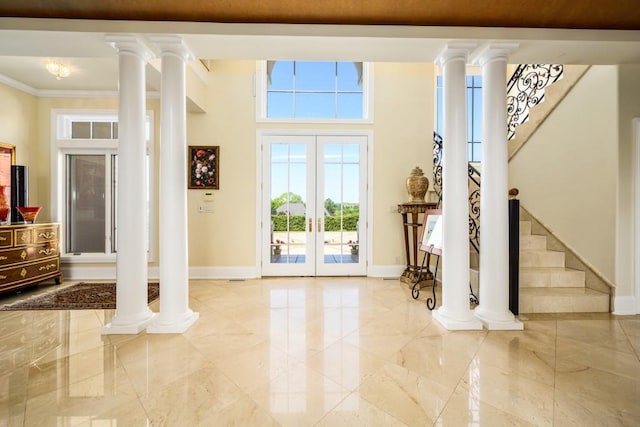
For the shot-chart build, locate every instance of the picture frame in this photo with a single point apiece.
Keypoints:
(431, 240)
(7, 159)
(203, 165)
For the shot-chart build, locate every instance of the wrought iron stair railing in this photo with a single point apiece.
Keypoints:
(474, 203)
(525, 90)
(474, 191)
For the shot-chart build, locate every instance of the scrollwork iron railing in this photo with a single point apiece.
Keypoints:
(474, 191)
(474, 208)
(525, 89)
(437, 166)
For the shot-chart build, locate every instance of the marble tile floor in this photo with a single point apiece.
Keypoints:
(317, 351)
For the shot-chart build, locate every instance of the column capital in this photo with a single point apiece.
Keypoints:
(172, 45)
(129, 45)
(495, 51)
(453, 51)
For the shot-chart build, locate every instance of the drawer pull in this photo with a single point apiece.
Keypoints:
(3, 277)
(47, 267)
(3, 238)
(47, 251)
(23, 237)
(48, 235)
(23, 272)
(3, 258)
(23, 254)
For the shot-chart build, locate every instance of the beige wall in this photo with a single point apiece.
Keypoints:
(629, 107)
(403, 126)
(18, 126)
(227, 236)
(403, 139)
(567, 172)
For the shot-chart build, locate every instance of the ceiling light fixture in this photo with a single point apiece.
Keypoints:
(58, 69)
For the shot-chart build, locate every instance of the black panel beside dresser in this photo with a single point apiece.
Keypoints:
(29, 254)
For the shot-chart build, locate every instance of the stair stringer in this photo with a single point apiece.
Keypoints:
(553, 95)
(593, 279)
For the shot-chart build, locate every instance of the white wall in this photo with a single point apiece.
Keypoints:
(567, 171)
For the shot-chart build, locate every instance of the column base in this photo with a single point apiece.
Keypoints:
(498, 321)
(120, 326)
(178, 326)
(462, 323)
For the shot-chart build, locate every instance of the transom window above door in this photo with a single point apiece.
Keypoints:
(313, 91)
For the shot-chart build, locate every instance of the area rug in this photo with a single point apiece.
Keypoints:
(81, 296)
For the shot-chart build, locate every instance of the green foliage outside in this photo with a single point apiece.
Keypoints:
(331, 223)
(344, 216)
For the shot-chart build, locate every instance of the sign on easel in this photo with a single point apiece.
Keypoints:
(432, 232)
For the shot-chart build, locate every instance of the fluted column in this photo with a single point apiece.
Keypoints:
(493, 310)
(175, 315)
(454, 313)
(132, 311)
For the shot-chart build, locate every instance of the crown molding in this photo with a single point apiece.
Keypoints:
(51, 93)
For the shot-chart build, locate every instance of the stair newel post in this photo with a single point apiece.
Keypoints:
(514, 251)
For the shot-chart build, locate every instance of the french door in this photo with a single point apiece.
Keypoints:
(314, 205)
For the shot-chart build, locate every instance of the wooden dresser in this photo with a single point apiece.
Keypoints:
(28, 255)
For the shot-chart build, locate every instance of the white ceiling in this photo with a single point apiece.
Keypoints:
(26, 44)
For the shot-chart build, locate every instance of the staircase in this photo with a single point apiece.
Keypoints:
(547, 285)
(553, 279)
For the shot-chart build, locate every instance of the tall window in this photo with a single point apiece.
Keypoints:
(312, 90)
(85, 187)
(474, 115)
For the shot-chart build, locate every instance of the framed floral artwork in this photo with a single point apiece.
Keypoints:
(204, 167)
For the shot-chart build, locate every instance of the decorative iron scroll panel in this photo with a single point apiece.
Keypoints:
(526, 89)
(474, 208)
(437, 166)
(474, 191)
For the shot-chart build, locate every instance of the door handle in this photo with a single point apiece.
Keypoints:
(319, 225)
(310, 225)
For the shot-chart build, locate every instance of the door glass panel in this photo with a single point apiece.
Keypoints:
(85, 221)
(288, 203)
(341, 203)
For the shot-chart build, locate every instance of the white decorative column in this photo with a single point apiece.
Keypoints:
(493, 310)
(175, 315)
(455, 314)
(132, 311)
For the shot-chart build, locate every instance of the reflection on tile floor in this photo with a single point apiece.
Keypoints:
(317, 351)
(328, 259)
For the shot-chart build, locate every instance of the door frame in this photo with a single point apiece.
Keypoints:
(261, 133)
(636, 212)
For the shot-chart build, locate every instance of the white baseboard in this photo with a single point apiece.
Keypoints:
(88, 272)
(385, 270)
(224, 272)
(78, 271)
(625, 305)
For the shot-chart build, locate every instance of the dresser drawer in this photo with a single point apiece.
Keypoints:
(18, 274)
(23, 237)
(6, 238)
(46, 234)
(27, 253)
